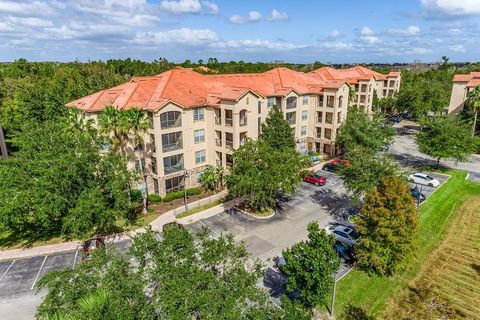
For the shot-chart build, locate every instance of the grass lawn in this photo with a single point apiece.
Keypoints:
(200, 208)
(374, 293)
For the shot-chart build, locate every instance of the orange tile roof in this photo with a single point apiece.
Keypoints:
(188, 88)
(472, 79)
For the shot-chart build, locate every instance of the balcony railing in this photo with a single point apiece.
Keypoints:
(218, 162)
(243, 121)
(229, 143)
(329, 120)
(218, 120)
(291, 121)
(319, 119)
(229, 164)
(218, 142)
(175, 168)
(318, 135)
(172, 146)
(229, 122)
(171, 123)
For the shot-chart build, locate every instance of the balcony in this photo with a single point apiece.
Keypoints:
(175, 168)
(319, 119)
(318, 134)
(218, 120)
(229, 143)
(291, 121)
(243, 121)
(172, 146)
(170, 119)
(218, 142)
(229, 122)
(291, 102)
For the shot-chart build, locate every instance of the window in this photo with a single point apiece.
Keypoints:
(339, 117)
(304, 115)
(319, 117)
(303, 131)
(156, 189)
(173, 164)
(291, 117)
(330, 101)
(198, 114)
(228, 118)
(247, 100)
(152, 143)
(329, 117)
(259, 107)
(173, 184)
(139, 165)
(154, 165)
(170, 119)
(172, 141)
(305, 100)
(291, 102)
(270, 102)
(259, 125)
(320, 100)
(200, 156)
(199, 135)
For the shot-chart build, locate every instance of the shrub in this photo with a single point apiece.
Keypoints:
(154, 198)
(193, 191)
(172, 196)
(136, 195)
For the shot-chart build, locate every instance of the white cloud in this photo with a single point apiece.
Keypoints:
(452, 7)
(26, 8)
(418, 50)
(254, 16)
(182, 6)
(457, 48)
(210, 7)
(278, 16)
(335, 34)
(409, 31)
(367, 35)
(257, 44)
(337, 45)
(454, 31)
(236, 19)
(31, 22)
(183, 35)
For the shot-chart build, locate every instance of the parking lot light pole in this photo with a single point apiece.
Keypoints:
(332, 309)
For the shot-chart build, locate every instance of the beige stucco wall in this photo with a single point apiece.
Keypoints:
(458, 97)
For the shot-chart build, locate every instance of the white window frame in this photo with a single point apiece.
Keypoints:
(198, 114)
(200, 138)
(202, 158)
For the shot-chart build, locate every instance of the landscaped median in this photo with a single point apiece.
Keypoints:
(374, 293)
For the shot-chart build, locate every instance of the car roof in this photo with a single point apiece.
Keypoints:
(420, 174)
(344, 229)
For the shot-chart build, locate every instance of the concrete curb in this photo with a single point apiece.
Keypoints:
(156, 225)
(256, 217)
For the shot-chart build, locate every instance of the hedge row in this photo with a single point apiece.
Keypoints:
(180, 194)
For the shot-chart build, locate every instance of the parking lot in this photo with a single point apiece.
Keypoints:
(264, 239)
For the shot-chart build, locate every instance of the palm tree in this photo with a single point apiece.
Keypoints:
(474, 103)
(137, 123)
(113, 122)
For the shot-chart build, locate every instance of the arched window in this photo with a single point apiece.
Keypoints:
(340, 101)
(243, 117)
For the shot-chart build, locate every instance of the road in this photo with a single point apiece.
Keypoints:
(406, 151)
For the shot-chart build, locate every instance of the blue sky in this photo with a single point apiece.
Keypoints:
(348, 31)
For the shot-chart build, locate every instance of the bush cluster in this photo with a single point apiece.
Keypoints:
(154, 198)
(180, 194)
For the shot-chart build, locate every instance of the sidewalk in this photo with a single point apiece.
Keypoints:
(156, 225)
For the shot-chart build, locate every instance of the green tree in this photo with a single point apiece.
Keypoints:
(212, 178)
(174, 278)
(359, 130)
(59, 183)
(113, 123)
(446, 138)
(311, 266)
(366, 170)
(388, 225)
(473, 103)
(261, 172)
(276, 131)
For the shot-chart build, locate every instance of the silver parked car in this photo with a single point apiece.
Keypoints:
(346, 235)
(423, 178)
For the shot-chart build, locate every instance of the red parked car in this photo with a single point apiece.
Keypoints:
(340, 161)
(315, 178)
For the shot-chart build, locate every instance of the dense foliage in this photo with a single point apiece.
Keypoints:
(359, 129)
(276, 132)
(447, 137)
(59, 183)
(212, 178)
(311, 266)
(388, 225)
(174, 278)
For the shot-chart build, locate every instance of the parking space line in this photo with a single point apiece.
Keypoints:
(75, 259)
(11, 264)
(229, 221)
(38, 274)
(204, 224)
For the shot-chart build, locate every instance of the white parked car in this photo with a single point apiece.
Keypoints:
(346, 235)
(423, 178)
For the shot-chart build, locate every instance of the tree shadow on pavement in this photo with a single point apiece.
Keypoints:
(274, 281)
(333, 203)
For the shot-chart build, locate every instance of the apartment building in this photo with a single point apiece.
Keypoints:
(462, 85)
(198, 120)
